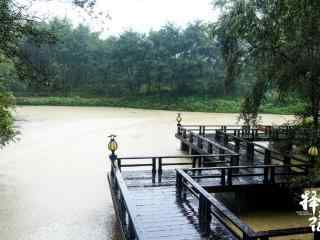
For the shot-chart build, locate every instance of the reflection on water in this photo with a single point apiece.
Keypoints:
(276, 219)
(53, 181)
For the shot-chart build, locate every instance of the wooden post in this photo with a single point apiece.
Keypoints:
(267, 161)
(229, 176)
(235, 162)
(179, 129)
(267, 157)
(223, 177)
(217, 136)
(250, 151)
(272, 175)
(199, 143)
(287, 161)
(226, 139)
(191, 137)
(236, 145)
(209, 148)
(194, 162)
(131, 232)
(204, 215)
(221, 151)
(122, 210)
(266, 175)
(179, 184)
(119, 163)
(184, 133)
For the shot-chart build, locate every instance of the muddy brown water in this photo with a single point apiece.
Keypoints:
(53, 180)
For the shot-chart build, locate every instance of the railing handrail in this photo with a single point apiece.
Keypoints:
(225, 212)
(178, 156)
(248, 167)
(215, 144)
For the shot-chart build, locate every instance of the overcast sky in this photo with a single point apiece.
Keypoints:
(139, 15)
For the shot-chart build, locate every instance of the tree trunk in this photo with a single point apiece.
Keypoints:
(315, 111)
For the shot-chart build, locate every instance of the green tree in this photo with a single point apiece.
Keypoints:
(281, 39)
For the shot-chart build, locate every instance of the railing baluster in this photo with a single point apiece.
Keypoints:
(272, 174)
(204, 215)
(160, 166)
(154, 166)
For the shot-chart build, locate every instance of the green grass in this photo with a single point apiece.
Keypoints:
(192, 103)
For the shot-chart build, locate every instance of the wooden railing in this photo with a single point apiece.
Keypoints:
(268, 173)
(126, 209)
(269, 155)
(157, 163)
(241, 130)
(209, 207)
(255, 132)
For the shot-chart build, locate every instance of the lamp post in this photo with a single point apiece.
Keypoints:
(179, 119)
(112, 146)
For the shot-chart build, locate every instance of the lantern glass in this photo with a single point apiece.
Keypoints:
(113, 146)
(313, 151)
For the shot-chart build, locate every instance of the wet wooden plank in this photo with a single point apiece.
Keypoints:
(164, 217)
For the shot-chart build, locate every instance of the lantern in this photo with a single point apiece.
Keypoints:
(112, 145)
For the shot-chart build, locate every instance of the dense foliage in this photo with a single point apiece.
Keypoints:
(280, 40)
(17, 27)
(256, 48)
(171, 61)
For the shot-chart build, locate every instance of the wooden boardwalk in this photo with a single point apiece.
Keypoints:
(169, 197)
(162, 215)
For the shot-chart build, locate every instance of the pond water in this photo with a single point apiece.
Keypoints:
(53, 181)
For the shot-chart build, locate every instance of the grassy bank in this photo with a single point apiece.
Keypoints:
(192, 104)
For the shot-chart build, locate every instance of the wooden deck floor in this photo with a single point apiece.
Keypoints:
(161, 214)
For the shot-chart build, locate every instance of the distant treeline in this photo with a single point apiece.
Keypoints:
(172, 60)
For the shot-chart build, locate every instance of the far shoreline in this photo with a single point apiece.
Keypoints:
(183, 104)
